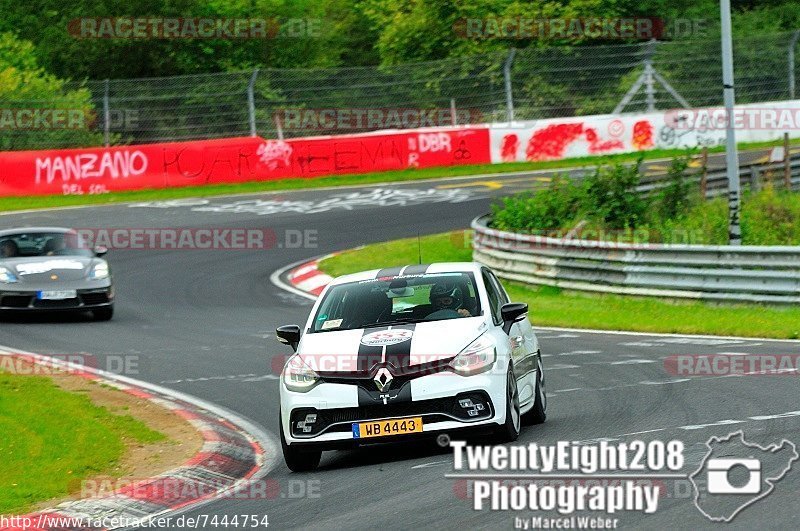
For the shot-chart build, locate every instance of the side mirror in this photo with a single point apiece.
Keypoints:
(100, 250)
(512, 312)
(289, 335)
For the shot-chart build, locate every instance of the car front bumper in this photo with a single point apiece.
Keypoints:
(13, 299)
(442, 400)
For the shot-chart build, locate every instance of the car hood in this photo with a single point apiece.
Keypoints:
(37, 270)
(403, 346)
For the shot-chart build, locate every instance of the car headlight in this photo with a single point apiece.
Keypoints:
(6, 276)
(478, 357)
(297, 376)
(99, 271)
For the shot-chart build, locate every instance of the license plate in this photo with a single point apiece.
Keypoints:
(56, 295)
(382, 428)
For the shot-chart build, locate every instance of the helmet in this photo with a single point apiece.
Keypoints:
(447, 289)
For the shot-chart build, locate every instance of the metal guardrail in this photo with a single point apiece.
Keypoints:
(752, 176)
(766, 274)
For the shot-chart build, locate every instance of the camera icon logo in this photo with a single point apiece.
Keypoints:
(719, 471)
(735, 474)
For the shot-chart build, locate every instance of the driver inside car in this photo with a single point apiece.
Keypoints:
(448, 296)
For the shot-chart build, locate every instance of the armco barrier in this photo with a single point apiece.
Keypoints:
(705, 272)
(100, 170)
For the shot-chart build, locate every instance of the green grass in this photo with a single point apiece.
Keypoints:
(555, 307)
(53, 201)
(50, 439)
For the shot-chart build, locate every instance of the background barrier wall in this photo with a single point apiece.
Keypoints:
(608, 134)
(101, 170)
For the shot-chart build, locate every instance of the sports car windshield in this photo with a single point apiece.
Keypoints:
(32, 244)
(398, 300)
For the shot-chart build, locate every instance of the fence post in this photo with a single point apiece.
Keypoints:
(507, 76)
(106, 116)
(792, 45)
(704, 173)
(649, 86)
(787, 163)
(453, 117)
(251, 102)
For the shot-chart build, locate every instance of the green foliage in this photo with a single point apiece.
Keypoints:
(24, 85)
(672, 201)
(771, 217)
(554, 207)
(611, 197)
(613, 209)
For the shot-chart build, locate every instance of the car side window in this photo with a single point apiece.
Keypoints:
(499, 287)
(494, 297)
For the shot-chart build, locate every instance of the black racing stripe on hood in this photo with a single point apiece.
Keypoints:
(399, 354)
(369, 356)
(419, 269)
(389, 272)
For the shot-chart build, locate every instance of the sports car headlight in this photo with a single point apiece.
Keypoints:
(478, 357)
(99, 271)
(6, 276)
(297, 376)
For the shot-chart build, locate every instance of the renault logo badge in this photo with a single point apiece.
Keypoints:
(383, 379)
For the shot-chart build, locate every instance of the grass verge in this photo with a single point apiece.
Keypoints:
(555, 307)
(53, 201)
(51, 439)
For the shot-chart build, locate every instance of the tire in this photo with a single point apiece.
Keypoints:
(296, 458)
(509, 431)
(538, 413)
(103, 314)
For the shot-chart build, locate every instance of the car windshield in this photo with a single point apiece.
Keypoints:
(33, 244)
(397, 300)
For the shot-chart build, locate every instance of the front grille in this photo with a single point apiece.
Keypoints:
(51, 304)
(91, 299)
(15, 301)
(434, 410)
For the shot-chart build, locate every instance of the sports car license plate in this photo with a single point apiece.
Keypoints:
(56, 295)
(382, 428)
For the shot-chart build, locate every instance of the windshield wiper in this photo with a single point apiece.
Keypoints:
(405, 320)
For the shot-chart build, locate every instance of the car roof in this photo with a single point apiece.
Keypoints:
(440, 267)
(26, 230)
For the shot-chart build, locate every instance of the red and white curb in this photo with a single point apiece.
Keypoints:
(303, 278)
(235, 453)
(308, 278)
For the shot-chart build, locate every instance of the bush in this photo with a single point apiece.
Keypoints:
(552, 208)
(672, 201)
(611, 197)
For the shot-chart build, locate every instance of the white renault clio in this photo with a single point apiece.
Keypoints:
(408, 352)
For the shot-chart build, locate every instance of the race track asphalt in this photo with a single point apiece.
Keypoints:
(203, 322)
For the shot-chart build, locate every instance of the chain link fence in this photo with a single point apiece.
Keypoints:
(531, 83)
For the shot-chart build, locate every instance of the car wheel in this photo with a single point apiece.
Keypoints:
(509, 431)
(296, 458)
(103, 314)
(538, 412)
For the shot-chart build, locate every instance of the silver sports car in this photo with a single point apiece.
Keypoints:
(47, 268)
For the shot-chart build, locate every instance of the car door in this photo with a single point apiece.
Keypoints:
(523, 345)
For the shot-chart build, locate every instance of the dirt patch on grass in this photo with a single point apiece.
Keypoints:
(141, 460)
